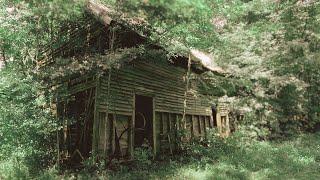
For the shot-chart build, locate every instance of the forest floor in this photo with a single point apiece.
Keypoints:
(298, 158)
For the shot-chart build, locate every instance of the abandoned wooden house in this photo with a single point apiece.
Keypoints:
(136, 99)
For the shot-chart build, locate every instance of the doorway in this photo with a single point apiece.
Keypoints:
(143, 133)
(77, 133)
(214, 115)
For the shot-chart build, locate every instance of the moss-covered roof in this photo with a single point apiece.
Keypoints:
(104, 14)
(63, 63)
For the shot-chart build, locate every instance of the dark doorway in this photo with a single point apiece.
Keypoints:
(143, 121)
(78, 125)
(214, 115)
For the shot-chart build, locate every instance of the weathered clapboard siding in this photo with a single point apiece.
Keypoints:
(79, 84)
(163, 82)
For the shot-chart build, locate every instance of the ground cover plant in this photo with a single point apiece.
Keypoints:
(232, 158)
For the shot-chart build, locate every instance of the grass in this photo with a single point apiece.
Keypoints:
(298, 158)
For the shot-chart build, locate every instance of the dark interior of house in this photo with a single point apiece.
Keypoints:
(143, 121)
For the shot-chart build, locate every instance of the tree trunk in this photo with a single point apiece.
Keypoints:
(2, 58)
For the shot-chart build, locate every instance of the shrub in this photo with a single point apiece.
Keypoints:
(143, 157)
(26, 126)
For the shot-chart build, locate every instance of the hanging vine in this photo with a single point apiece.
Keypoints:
(187, 79)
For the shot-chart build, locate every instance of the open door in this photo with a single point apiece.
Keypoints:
(214, 116)
(78, 115)
(143, 133)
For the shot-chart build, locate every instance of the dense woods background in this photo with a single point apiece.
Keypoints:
(270, 48)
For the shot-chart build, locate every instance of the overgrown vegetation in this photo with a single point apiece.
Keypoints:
(26, 126)
(270, 49)
(238, 157)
